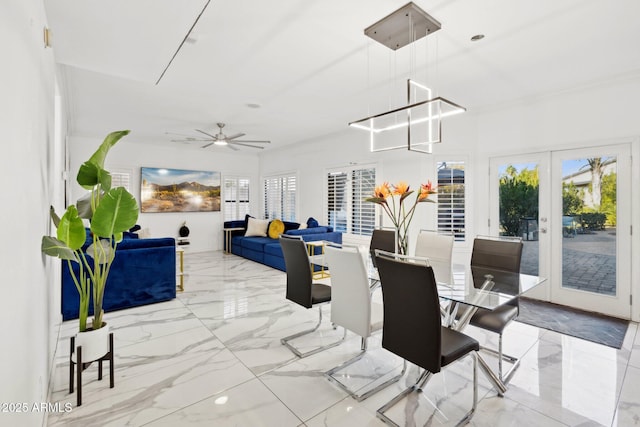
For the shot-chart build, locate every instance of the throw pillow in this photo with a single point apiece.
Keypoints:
(276, 228)
(246, 221)
(302, 226)
(311, 222)
(257, 227)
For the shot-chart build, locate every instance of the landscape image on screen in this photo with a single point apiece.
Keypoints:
(177, 190)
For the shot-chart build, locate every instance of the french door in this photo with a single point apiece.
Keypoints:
(572, 208)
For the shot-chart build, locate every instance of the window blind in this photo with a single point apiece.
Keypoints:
(337, 201)
(451, 199)
(280, 197)
(121, 179)
(363, 214)
(346, 209)
(236, 198)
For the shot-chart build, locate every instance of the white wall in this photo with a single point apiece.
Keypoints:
(30, 165)
(131, 154)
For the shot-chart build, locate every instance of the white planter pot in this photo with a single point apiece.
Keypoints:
(95, 344)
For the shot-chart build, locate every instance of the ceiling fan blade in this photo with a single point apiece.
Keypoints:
(237, 135)
(179, 134)
(232, 147)
(245, 145)
(207, 145)
(253, 142)
(208, 134)
(190, 140)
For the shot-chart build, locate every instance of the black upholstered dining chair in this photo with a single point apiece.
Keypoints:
(382, 239)
(412, 326)
(302, 290)
(502, 254)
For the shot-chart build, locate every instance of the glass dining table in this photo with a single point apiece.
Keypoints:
(469, 288)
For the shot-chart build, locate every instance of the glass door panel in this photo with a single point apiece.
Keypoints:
(519, 207)
(589, 218)
(591, 242)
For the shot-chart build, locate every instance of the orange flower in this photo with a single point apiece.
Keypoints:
(382, 191)
(400, 188)
(425, 190)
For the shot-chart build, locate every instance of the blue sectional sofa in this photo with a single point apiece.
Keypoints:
(143, 272)
(266, 250)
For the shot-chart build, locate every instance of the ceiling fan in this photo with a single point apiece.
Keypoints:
(222, 139)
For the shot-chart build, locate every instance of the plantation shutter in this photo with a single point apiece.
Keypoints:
(363, 213)
(337, 200)
(236, 198)
(346, 209)
(121, 179)
(451, 199)
(280, 197)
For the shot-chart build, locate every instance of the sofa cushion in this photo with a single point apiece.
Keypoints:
(273, 249)
(288, 225)
(312, 222)
(276, 228)
(255, 243)
(257, 227)
(314, 230)
(145, 243)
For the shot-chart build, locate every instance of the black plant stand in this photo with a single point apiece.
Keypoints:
(82, 366)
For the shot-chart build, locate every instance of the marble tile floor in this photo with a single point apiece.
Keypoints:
(212, 357)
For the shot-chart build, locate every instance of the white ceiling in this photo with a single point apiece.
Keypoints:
(309, 65)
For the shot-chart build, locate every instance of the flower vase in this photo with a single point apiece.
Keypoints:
(403, 242)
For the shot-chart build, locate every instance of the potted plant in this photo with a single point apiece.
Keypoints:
(110, 212)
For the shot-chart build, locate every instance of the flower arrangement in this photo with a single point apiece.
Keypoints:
(398, 212)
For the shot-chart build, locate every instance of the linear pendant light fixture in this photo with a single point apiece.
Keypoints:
(419, 121)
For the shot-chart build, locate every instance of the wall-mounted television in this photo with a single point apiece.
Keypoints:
(179, 190)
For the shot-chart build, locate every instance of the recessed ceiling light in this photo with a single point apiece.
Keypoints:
(253, 105)
(477, 37)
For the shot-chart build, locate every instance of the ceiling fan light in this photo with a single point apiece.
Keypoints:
(221, 142)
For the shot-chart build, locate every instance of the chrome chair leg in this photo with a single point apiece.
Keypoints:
(362, 396)
(286, 340)
(420, 383)
(505, 378)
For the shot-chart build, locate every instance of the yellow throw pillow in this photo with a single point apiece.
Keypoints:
(276, 228)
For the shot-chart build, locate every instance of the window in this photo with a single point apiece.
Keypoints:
(121, 178)
(280, 197)
(236, 198)
(346, 190)
(451, 203)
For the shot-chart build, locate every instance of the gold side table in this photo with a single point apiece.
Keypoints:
(317, 259)
(180, 252)
(227, 238)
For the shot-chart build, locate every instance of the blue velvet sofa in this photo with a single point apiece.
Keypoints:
(143, 272)
(266, 250)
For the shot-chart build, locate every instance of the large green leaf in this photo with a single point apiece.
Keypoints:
(84, 206)
(71, 229)
(101, 153)
(54, 216)
(54, 247)
(89, 175)
(102, 254)
(92, 172)
(117, 212)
